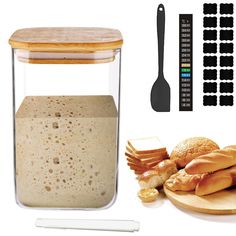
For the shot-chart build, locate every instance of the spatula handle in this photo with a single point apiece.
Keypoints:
(160, 35)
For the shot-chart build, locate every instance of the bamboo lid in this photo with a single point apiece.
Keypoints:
(66, 39)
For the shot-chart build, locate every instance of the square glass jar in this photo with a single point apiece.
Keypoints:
(66, 94)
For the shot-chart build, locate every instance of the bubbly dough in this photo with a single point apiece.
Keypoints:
(66, 151)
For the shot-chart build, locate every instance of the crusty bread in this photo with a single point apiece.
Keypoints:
(216, 181)
(157, 177)
(216, 160)
(146, 145)
(191, 148)
(181, 181)
(230, 146)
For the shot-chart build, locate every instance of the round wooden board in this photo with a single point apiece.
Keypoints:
(220, 203)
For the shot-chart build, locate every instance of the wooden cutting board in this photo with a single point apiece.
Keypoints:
(220, 203)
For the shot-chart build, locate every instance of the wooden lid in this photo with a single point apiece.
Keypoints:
(58, 39)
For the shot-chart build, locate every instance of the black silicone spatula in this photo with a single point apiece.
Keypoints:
(160, 94)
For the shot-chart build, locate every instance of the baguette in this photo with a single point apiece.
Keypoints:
(230, 146)
(216, 181)
(181, 181)
(216, 160)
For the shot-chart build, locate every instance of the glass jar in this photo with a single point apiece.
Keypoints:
(66, 116)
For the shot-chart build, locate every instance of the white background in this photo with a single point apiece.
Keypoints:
(136, 19)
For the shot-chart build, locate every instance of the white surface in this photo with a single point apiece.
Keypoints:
(137, 21)
(105, 225)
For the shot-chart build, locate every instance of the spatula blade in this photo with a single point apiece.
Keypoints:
(160, 96)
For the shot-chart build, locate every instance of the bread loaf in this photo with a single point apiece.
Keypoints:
(216, 181)
(191, 148)
(216, 160)
(181, 181)
(157, 177)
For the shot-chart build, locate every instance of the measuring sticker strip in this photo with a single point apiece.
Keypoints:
(185, 62)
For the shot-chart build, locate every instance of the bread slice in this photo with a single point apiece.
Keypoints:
(137, 172)
(136, 161)
(131, 161)
(144, 165)
(146, 145)
(148, 159)
(137, 168)
(144, 156)
(153, 164)
(129, 151)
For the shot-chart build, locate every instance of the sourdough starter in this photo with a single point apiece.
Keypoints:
(66, 151)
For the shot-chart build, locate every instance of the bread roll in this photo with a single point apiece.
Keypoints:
(150, 179)
(216, 181)
(157, 177)
(181, 181)
(216, 160)
(148, 195)
(166, 168)
(191, 148)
